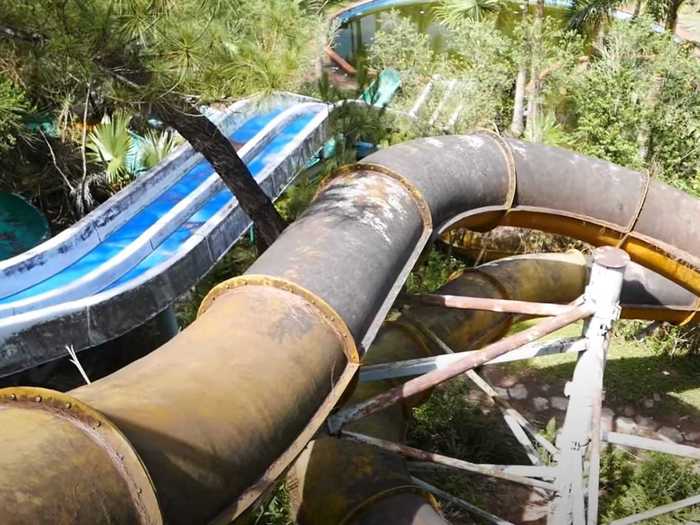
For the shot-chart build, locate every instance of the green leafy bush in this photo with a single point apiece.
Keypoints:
(276, 510)
(657, 480)
(449, 423)
(432, 272)
(13, 107)
(157, 146)
(453, 12)
(664, 339)
(638, 104)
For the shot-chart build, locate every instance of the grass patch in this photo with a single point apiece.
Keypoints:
(635, 370)
(276, 511)
(450, 423)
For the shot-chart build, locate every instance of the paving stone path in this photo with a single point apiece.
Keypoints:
(540, 403)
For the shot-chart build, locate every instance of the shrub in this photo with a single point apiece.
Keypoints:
(13, 107)
(432, 272)
(658, 480)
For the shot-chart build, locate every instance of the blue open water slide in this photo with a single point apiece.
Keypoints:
(136, 253)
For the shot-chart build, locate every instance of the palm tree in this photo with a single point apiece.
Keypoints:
(593, 15)
(156, 146)
(453, 12)
(596, 14)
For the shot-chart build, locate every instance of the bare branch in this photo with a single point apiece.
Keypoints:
(55, 162)
(18, 34)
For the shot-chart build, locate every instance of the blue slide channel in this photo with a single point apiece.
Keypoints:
(129, 232)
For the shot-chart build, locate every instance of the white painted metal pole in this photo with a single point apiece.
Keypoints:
(422, 99)
(628, 440)
(487, 516)
(658, 511)
(585, 394)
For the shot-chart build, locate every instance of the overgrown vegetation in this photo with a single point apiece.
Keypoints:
(664, 338)
(14, 105)
(276, 510)
(450, 423)
(634, 101)
(434, 272)
(632, 97)
(630, 486)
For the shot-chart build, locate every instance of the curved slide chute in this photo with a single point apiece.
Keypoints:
(214, 416)
(130, 258)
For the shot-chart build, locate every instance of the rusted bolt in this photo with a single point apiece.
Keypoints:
(37, 399)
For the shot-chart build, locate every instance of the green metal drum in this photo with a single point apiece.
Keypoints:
(22, 226)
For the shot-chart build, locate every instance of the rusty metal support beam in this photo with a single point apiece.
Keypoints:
(512, 417)
(495, 471)
(340, 61)
(491, 305)
(423, 365)
(474, 359)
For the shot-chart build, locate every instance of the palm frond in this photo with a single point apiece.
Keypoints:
(548, 131)
(453, 12)
(110, 143)
(585, 13)
(156, 146)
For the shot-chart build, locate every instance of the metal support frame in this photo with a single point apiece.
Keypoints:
(658, 511)
(574, 478)
(513, 419)
(421, 100)
(495, 471)
(423, 365)
(445, 97)
(581, 430)
(655, 445)
(472, 360)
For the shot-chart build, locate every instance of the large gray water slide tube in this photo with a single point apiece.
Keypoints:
(197, 430)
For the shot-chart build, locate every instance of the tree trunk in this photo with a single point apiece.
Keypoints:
(672, 18)
(208, 140)
(517, 125)
(534, 105)
(599, 33)
(644, 135)
(637, 8)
